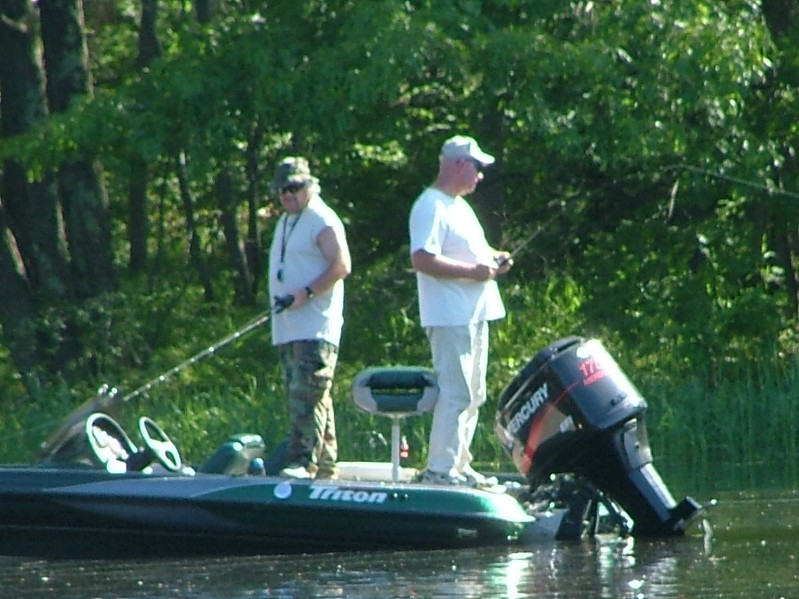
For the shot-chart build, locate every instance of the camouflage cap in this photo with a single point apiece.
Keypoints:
(292, 169)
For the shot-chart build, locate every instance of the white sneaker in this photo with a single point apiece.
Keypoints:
(441, 478)
(477, 480)
(295, 472)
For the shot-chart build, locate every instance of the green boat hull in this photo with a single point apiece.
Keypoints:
(53, 512)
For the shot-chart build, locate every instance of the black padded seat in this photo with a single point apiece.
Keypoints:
(395, 390)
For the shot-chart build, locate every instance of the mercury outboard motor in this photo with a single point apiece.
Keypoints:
(572, 410)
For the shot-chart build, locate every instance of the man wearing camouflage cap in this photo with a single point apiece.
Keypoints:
(308, 262)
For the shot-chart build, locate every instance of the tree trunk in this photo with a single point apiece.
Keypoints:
(195, 252)
(65, 52)
(782, 19)
(83, 196)
(31, 207)
(138, 222)
(785, 251)
(85, 206)
(204, 10)
(235, 250)
(149, 46)
(33, 263)
(253, 246)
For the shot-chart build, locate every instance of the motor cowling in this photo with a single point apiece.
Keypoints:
(572, 410)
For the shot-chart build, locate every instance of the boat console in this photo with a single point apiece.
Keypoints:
(572, 410)
(240, 454)
(101, 442)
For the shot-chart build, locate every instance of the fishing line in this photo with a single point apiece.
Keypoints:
(747, 183)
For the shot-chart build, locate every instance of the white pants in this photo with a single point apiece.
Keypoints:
(460, 359)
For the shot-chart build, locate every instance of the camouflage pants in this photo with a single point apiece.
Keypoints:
(307, 368)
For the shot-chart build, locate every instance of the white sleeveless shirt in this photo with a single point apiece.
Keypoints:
(296, 255)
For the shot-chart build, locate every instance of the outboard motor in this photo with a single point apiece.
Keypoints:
(572, 409)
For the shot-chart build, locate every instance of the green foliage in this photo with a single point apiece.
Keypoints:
(664, 131)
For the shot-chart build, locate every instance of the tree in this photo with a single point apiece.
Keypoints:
(29, 213)
(149, 49)
(53, 268)
(636, 118)
(81, 190)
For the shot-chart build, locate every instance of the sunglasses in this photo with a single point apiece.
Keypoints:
(478, 166)
(292, 188)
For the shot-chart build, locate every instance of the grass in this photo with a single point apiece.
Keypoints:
(746, 428)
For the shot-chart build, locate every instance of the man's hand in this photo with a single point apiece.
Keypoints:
(504, 262)
(484, 272)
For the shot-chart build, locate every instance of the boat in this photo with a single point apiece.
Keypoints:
(572, 422)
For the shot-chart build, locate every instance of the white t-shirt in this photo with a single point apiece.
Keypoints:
(296, 255)
(447, 226)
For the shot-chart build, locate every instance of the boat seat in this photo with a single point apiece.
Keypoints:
(396, 392)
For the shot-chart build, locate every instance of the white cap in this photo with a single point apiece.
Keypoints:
(461, 146)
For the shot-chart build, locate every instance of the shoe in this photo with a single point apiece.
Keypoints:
(325, 474)
(441, 478)
(295, 471)
(477, 480)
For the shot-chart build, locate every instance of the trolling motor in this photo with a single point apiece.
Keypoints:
(572, 410)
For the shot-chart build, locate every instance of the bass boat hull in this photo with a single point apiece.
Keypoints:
(65, 513)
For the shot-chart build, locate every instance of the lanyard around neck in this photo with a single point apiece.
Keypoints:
(287, 231)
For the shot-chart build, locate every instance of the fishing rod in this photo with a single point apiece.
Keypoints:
(108, 398)
(527, 240)
(237, 334)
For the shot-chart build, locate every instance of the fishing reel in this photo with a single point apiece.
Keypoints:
(282, 302)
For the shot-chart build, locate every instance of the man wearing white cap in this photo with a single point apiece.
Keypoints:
(458, 295)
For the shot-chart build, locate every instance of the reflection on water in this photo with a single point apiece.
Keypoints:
(604, 569)
(751, 551)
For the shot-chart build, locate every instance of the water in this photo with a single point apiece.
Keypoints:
(752, 552)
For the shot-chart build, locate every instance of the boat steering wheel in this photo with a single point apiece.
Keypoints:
(108, 442)
(160, 445)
